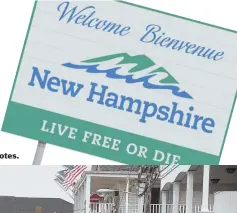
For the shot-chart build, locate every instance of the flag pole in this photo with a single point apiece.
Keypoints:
(39, 153)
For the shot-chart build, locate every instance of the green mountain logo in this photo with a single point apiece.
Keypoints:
(141, 63)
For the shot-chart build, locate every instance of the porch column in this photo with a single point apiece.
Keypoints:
(82, 206)
(79, 196)
(141, 199)
(116, 201)
(205, 190)
(189, 192)
(126, 195)
(78, 202)
(87, 194)
(75, 203)
(163, 201)
(176, 189)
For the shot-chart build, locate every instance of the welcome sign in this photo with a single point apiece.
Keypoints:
(138, 87)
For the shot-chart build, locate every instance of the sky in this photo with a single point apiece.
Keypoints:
(31, 181)
(13, 30)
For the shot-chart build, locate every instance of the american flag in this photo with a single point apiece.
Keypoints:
(68, 168)
(66, 171)
(73, 174)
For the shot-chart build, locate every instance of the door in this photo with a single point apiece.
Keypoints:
(155, 195)
(155, 199)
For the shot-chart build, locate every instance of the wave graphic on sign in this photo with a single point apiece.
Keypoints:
(141, 62)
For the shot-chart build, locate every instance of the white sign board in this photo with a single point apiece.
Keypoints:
(114, 79)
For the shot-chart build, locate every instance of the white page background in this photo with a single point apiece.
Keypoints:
(14, 20)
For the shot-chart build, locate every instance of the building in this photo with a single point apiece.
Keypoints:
(204, 189)
(10, 204)
(180, 189)
(117, 180)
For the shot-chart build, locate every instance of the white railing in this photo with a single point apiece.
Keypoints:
(110, 208)
(197, 208)
(182, 208)
(155, 208)
(101, 207)
(131, 208)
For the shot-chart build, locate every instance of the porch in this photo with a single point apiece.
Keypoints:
(198, 188)
(182, 189)
(155, 208)
(122, 195)
(120, 198)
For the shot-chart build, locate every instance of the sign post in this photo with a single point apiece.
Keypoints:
(39, 153)
(152, 87)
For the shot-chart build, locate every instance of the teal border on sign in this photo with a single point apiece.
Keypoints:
(31, 128)
(142, 7)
